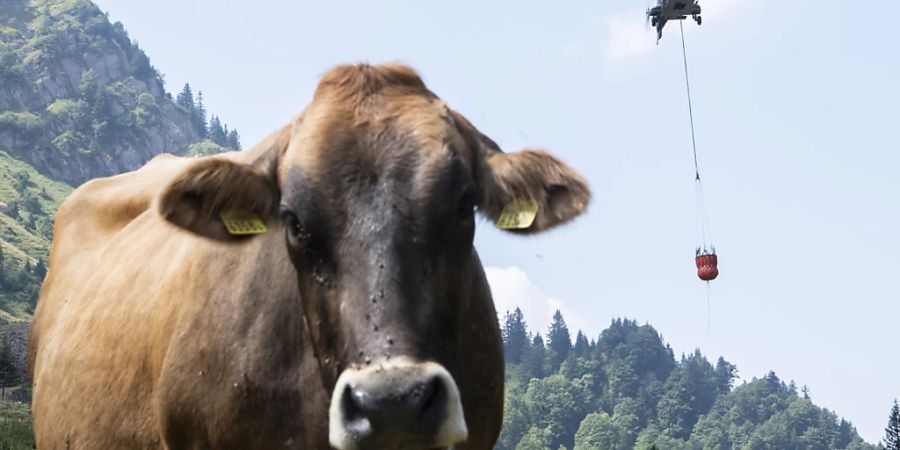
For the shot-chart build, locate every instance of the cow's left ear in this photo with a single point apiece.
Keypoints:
(196, 198)
(513, 184)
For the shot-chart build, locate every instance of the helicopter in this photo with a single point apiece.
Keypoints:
(666, 10)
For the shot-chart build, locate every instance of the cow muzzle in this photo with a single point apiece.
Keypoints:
(398, 404)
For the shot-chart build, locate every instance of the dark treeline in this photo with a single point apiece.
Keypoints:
(213, 129)
(626, 390)
(9, 373)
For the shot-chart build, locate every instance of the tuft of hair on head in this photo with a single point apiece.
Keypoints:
(357, 82)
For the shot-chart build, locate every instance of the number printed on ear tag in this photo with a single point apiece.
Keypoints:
(242, 222)
(518, 214)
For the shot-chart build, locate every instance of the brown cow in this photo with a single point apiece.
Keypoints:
(361, 320)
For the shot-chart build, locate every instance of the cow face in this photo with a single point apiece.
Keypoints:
(377, 185)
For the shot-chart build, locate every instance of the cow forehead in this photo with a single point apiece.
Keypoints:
(374, 137)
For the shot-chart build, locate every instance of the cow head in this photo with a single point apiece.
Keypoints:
(376, 186)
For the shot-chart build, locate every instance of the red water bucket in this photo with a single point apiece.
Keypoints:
(707, 266)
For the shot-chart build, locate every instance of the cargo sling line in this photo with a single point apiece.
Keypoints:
(702, 221)
(687, 84)
(701, 203)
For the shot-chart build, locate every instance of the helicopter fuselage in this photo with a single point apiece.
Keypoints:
(667, 10)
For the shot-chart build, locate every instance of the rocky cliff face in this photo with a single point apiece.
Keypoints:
(79, 99)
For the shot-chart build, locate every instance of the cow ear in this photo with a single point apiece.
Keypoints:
(196, 199)
(514, 184)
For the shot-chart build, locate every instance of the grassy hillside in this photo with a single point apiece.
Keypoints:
(28, 201)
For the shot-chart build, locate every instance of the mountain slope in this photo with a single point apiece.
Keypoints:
(79, 99)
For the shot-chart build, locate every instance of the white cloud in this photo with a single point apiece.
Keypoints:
(511, 288)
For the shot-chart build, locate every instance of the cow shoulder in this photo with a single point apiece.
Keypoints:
(85, 222)
(101, 207)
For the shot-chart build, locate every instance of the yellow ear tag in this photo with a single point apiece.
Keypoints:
(242, 222)
(518, 214)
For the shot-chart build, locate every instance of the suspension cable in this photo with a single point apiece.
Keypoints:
(701, 207)
(708, 315)
(687, 84)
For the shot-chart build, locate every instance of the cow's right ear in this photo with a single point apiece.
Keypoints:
(195, 199)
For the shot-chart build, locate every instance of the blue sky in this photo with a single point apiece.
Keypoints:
(797, 126)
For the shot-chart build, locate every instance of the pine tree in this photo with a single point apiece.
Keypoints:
(560, 340)
(845, 434)
(515, 336)
(582, 346)
(9, 374)
(199, 116)
(533, 359)
(892, 432)
(40, 269)
(12, 209)
(233, 140)
(725, 375)
(185, 99)
(21, 180)
(216, 132)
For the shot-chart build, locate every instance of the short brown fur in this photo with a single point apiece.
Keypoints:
(156, 329)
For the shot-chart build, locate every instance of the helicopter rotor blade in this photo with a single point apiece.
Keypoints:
(647, 17)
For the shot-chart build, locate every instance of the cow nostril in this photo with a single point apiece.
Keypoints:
(410, 406)
(348, 406)
(429, 393)
(353, 405)
(424, 402)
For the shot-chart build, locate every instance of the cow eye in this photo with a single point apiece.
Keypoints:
(292, 224)
(467, 204)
